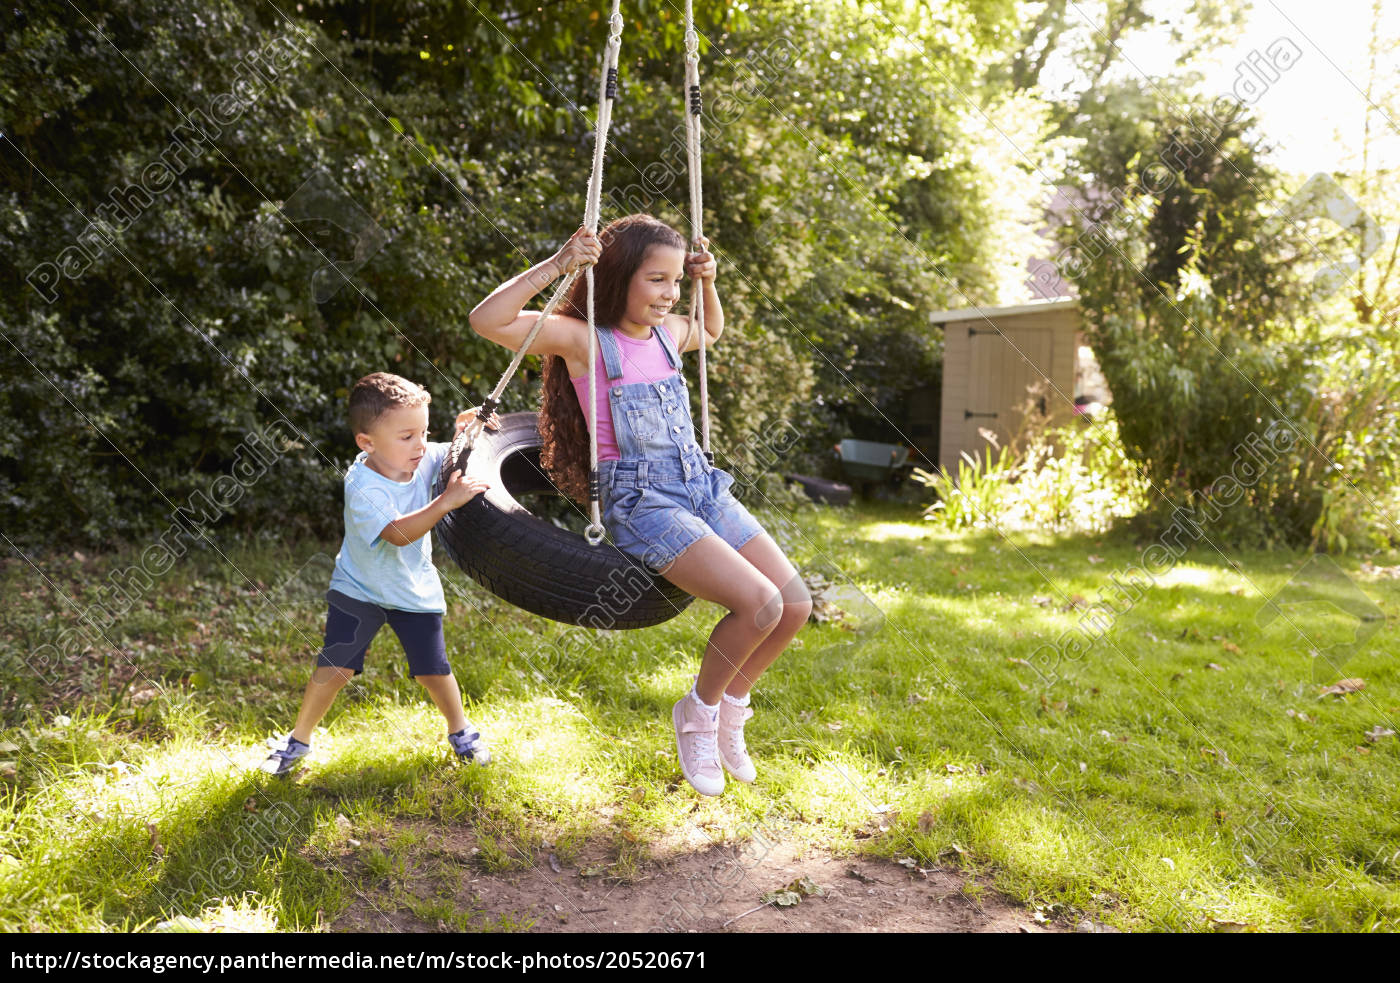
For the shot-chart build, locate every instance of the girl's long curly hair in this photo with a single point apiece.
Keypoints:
(563, 426)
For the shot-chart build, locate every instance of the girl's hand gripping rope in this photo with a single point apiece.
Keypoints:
(701, 265)
(582, 250)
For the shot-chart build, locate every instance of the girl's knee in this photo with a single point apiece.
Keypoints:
(767, 612)
(797, 611)
(797, 601)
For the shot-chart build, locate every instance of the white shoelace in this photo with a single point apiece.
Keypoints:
(703, 744)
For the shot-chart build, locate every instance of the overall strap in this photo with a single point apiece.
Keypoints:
(612, 355)
(669, 343)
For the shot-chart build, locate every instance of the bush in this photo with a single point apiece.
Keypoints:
(1072, 478)
(1223, 371)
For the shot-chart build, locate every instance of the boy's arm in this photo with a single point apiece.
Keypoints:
(415, 525)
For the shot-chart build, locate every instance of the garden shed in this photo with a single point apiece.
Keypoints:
(993, 355)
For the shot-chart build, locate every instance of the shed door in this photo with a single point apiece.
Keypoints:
(1003, 364)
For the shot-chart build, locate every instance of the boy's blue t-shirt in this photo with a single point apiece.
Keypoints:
(370, 569)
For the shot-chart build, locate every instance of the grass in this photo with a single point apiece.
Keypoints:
(1136, 784)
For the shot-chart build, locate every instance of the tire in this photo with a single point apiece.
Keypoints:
(823, 490)
(532, 563)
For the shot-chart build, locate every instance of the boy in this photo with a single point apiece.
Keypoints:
(384, 570)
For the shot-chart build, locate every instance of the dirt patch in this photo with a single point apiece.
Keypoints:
(716, 889)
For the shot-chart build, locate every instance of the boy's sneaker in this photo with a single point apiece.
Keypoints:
(285, 753)
(696, 731)
(732, 752)
(469, 745)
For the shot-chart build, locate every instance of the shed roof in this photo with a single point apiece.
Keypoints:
(988, 313)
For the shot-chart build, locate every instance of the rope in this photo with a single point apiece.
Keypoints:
(697, 211)
(607, 92)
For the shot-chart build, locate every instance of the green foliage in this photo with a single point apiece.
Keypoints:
(455, 144)
(1074, 477)
(1208, 340)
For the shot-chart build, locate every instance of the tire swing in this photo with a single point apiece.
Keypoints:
(521, 558)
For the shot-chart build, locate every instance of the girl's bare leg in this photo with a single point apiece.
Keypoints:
(713, 570)
(765, 598)
(769, 560)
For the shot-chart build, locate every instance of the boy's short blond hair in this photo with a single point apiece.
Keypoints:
(381, 391)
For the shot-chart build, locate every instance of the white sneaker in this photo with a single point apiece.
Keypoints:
(286, 752)
(695, 742)
(732, 753)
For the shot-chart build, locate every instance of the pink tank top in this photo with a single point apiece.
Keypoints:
(642, 361)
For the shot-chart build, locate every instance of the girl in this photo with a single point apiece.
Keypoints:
(664, 504)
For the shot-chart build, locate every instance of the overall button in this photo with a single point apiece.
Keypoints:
(675, 429)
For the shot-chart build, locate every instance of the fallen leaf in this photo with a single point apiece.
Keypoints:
(1041, 600)
(1095, 559)
(914, 698)
(1220, 925)
(1378, 732)
(250, 804)
(926, 821)
(1342, 687)
(1019, 662)
(639, 794)
(1230, 647)
(1216, 666)
(953, 769)
(554, 863)
(835, 725)
(1298, 716)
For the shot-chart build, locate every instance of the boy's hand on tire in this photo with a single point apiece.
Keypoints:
(461, 489)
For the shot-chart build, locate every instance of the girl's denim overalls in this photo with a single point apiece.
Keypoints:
(662, 496)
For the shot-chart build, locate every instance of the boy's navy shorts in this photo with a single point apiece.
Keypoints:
(351, 625)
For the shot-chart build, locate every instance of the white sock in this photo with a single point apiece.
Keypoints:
(711, 710)
(737, 701)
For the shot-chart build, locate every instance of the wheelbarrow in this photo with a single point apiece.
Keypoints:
(865, 462)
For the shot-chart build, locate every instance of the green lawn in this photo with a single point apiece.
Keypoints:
(1185, 773)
